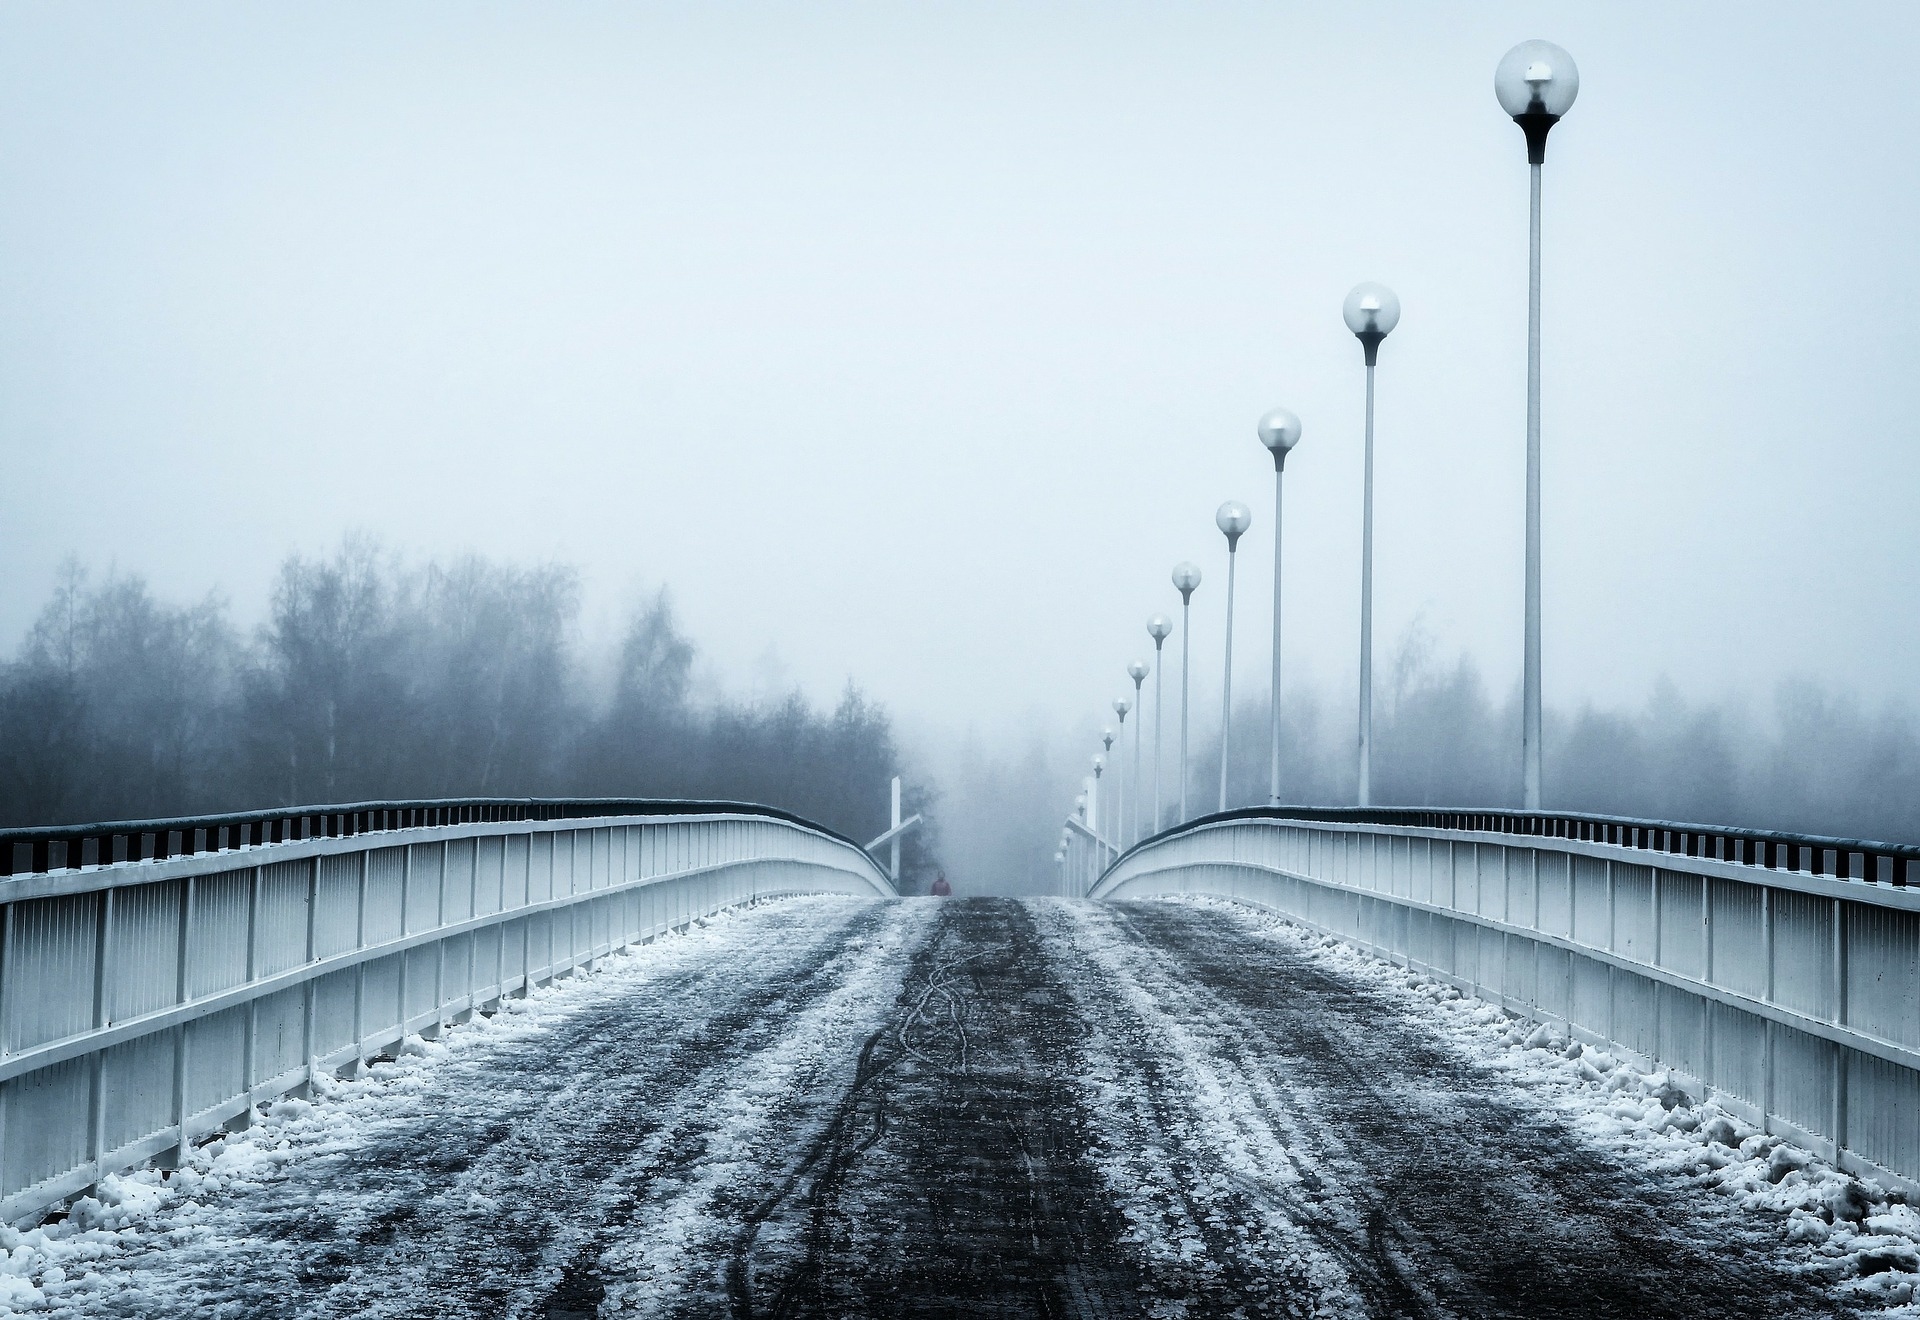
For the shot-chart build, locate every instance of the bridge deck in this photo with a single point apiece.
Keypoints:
(970, 1108)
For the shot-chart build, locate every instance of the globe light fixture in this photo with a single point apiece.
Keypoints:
(1536, 82)
(1371, 311)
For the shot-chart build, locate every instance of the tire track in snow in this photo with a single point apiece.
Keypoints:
(665, 1252)
(468, 1193)
(959, 1184)
(1493, 1207)
(1227, 1220)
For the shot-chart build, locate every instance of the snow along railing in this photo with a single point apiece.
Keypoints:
(1779, 974)
(212, 964)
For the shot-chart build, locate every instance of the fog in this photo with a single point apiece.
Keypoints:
(912, 347)
(376, 680)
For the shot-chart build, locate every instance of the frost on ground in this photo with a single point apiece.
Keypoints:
(1852, 1233)
(1287, 1133)
(829, 1107)
(476, 1174)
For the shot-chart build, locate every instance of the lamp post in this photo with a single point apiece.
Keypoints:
(1157, 628)
(1535, 82)
(1279, 432)
(1099, 820)
(1232, 518)
(1371, 312)
(1137, 671)
(1120, 708)
(1186, 577)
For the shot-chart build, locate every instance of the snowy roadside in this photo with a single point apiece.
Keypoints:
(69, 1266)
(1853, 1233)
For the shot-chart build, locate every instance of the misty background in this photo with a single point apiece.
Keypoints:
(374, 680)
(911, 348)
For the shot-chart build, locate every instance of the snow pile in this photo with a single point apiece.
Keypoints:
(1858, 1235)
(73, 1263)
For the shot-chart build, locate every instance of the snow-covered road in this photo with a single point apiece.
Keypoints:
(831, 1107)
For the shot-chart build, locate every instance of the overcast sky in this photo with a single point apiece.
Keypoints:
(917, 342)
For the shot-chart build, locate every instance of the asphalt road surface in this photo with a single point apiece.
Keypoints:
(960, 1108)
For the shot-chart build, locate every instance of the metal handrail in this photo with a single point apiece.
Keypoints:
(317, 950)
(31, 850)
(1773, 849)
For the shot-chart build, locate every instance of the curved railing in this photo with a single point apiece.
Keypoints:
(160, 978)
(1819, 854)
(71, 847)
(1778, 973)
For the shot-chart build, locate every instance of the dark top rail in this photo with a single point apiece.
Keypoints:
(36, 851)
(1846, 859)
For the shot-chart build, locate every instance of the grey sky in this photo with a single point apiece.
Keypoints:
(918, 342)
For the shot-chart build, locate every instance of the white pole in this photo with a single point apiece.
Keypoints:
(1273, 769)
(1530, 731)
(1159, 701)
(1186, 655)
(1139, 718)
(895, 824)
(1366, 613)
(1226, 682)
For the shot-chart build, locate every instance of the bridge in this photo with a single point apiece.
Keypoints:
(540, 1058)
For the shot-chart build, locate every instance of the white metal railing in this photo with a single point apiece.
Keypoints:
(146, 1003)
(1083, 856)
(1790, 996)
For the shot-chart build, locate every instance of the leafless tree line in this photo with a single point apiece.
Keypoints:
(1807, 761)
(374, 680)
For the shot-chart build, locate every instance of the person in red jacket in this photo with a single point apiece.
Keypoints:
(941, 889)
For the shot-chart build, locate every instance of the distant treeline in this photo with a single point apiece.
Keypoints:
(1808, 761)
(376, 680)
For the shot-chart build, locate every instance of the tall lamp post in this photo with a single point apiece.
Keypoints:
(1279, 432)
(1099, 821)
(1535, 82)
(1157, 628)
(1082, 805)
(1232, 518)
(1120, 816)
(1137, 671)
(1186, 577)
(1371, 312)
